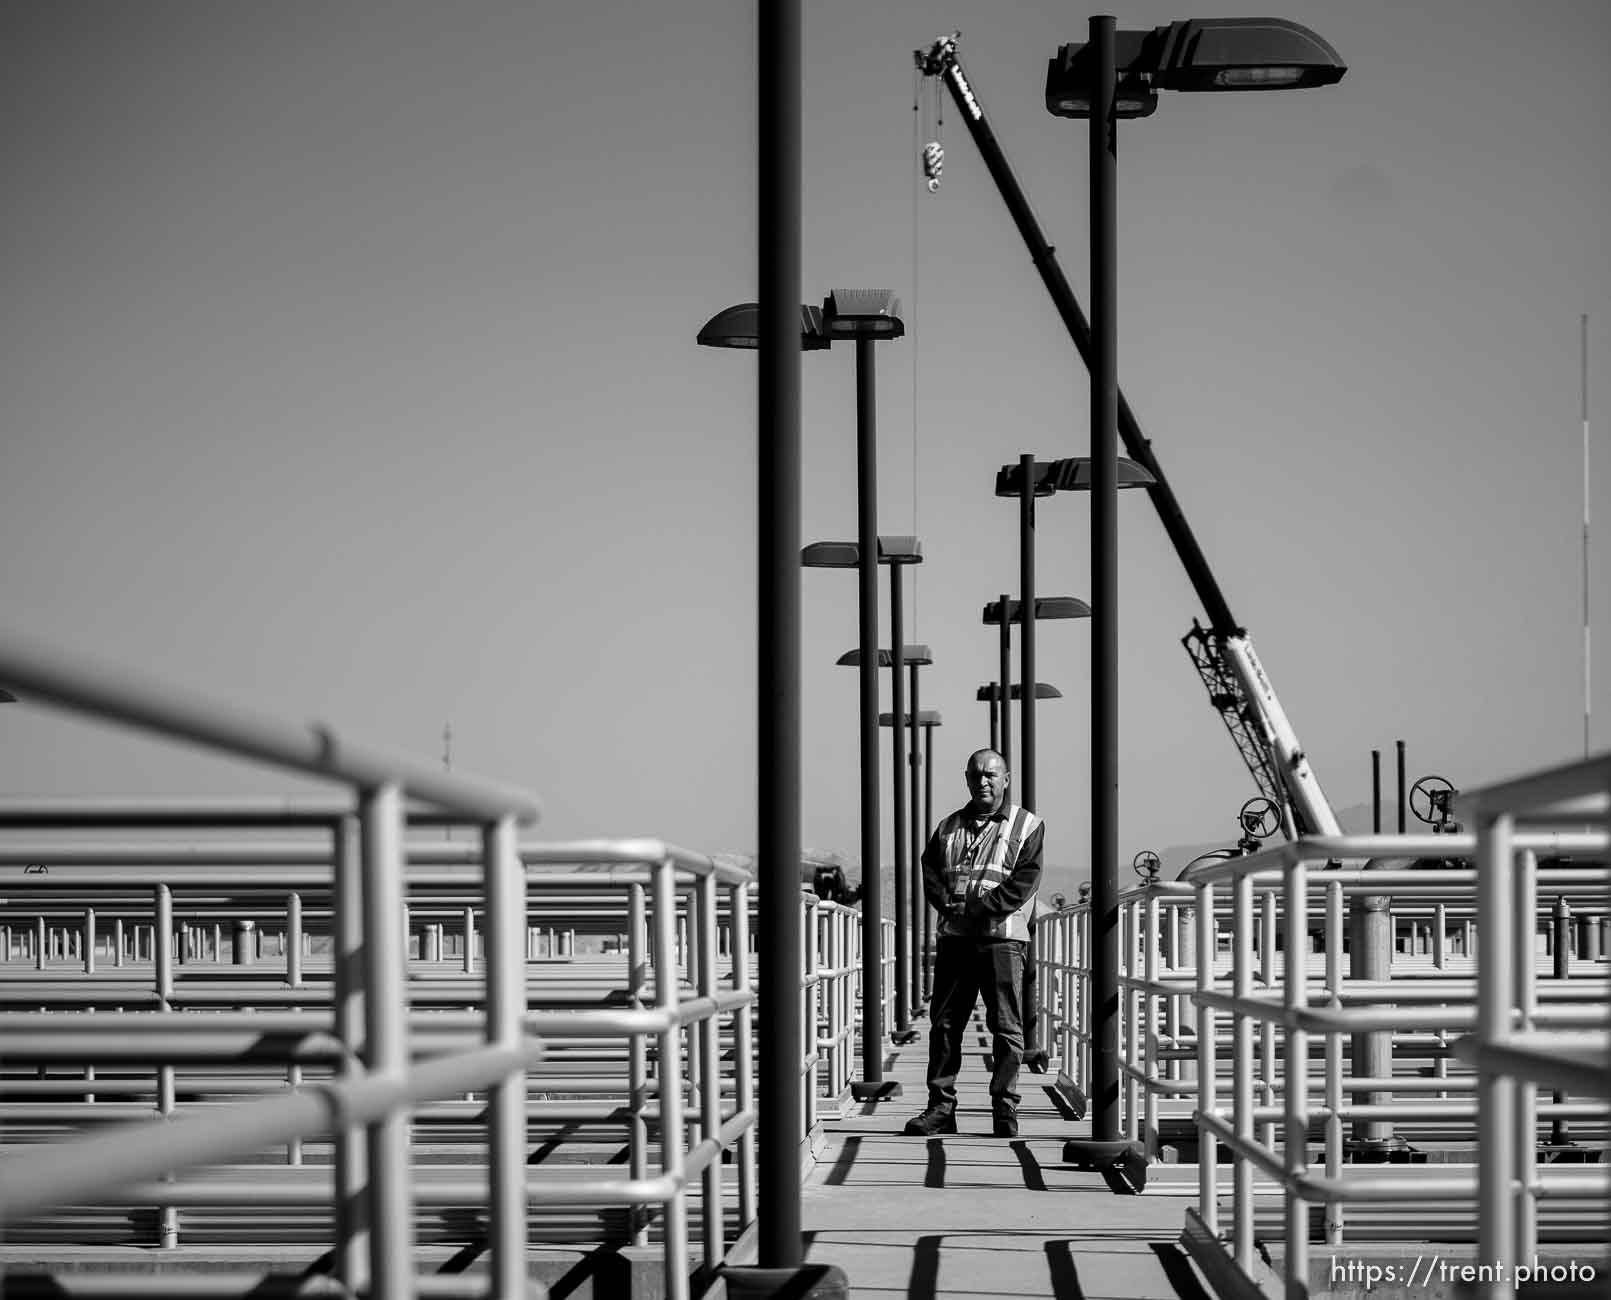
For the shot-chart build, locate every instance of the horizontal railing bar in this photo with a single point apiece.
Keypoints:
(1577, 1061)
(98, 1166)
(166, 1284)
(1323, 848)
(48, 675)
(1545, 790)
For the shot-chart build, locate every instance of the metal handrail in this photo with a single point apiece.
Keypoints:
(372, 1176)
(1272, 1031)
(687, 932)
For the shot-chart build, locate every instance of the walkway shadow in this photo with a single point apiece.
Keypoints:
(847, 1157)
(1177, 1268)
(1065, 1276)
(925, 1276)
(934, 1175)
(1033, 1178)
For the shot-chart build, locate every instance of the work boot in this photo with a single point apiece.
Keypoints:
(1004, 1120)
(936, 1119)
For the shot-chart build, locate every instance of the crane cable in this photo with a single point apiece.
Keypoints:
(931, 158)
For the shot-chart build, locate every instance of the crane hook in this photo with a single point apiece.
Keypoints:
(933, 163)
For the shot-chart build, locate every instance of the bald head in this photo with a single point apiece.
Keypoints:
(987, 779)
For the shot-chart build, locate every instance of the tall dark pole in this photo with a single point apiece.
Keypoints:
(897, 651)
(919, 839)
(781, 1023)
(872, 905)
(928, 826)
(1026, 645)
(1105, 588)
(1402, 802)
(1006, 680)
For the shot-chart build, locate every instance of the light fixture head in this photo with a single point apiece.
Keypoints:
(910, 654)
(1043, 691)
(847, 555)
(863, 314)
(925, 718)
(1045, 607)
(739, 326)
(1199, 54)
(1073, 474)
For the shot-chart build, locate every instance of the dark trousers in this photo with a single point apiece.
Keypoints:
(965, 969)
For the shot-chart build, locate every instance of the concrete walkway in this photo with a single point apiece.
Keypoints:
(971, 1215)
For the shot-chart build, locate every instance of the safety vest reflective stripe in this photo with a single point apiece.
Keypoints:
(970, 874)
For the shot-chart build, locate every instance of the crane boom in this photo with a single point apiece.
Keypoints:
(1238, 685)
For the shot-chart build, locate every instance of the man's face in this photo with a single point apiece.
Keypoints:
(987, 783)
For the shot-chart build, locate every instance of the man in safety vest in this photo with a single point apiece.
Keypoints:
(980, 872)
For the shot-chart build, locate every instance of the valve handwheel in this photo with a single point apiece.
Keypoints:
(1431, 793)
(1147, 865)
(1259, 817)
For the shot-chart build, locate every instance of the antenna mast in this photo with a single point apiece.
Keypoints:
(1584, 334)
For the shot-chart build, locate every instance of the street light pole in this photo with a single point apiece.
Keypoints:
(1006, 683)
(872, 1010)
(915, 894)
(1104, 584)
(903, 1032)
(1026, 646)
(1203, 55)
(928, 826)
(778, 633)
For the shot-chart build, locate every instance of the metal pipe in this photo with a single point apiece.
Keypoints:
(1104, 584)
(778, 58)
(1026, 644)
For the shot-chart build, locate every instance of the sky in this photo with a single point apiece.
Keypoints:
(348, 374)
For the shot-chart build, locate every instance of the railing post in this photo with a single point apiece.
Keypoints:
(667, 931)
(744, 1049)
(711, 1092)
(1267, 975)
(1207, 1063)
(390, 1189)
(1334, 1056)
(1521, 1014)
(637, 1058)
(167, 1215)
(504, 886)
(1296, 1077)
(1242, 1070)
(293, 939)
(1496, 1090)
(1149, 1036)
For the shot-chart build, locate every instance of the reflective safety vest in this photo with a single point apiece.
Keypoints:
(977, 864)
